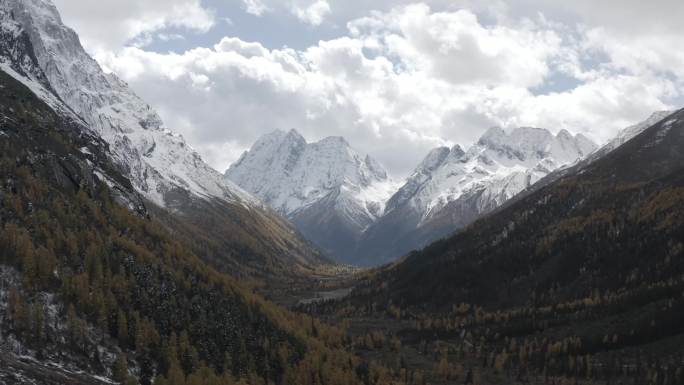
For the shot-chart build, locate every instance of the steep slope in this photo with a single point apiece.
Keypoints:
(329, 191)
(582, 273)
(622, 137)
(90, 292)
(630, 132)
(452, 187)
(157, 160)
(615, 223)
(626, 134)
(47, 56)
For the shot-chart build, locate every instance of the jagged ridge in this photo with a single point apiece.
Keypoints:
(452, 187)
(327, 188)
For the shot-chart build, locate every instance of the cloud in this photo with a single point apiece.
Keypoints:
(629, 17)
(456, 47)
(313, 13)
(401, 81)
(255, 7)
(397, 81)
(108, 25)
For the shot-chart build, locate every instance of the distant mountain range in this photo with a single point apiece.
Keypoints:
(346, 203)
(453, 187)
(327, 189)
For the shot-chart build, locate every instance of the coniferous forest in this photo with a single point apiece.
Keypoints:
(540, 257)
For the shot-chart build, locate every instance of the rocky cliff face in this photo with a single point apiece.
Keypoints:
(330, 191)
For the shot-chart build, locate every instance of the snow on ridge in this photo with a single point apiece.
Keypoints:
(157, 160)
(290, 175)
(498, 166)
(630, 132)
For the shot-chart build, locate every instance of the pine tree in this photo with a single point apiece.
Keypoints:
(17, 310)
(122, 329)
(45, 265)
(120, 369)
(75, 328)
(38, 321)
(189, 358)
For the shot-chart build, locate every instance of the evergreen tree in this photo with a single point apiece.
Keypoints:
(120, 369)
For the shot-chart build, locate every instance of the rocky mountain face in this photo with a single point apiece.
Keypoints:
(346, 204)
(452, 187)
(327, 189)
(41, 52)
(157, 160)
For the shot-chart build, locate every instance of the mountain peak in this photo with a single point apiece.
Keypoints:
(158, 163)
(451, 188)
(294, 134)
(530, 135)
(280, 135)
(564, 134)
(434, 159)
(520, 139)
(334, 141)
(288, 173)
(375, 168)
(327, 188)
(278, 140)
(493, 134)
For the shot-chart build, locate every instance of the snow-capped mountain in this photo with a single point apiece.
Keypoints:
(500, 163)
(452, 187)
(330, 191)
(157, 160)
(628, 133)
(41, 52)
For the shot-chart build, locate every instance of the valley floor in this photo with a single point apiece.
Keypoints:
(328, 282)
(408, 348)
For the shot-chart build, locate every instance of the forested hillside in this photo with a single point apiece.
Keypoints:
(90, 285)
(581, 279)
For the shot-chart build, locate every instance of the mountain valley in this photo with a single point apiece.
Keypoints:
(346, 204)
(531, 256)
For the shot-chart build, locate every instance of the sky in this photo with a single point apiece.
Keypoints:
(396, 78)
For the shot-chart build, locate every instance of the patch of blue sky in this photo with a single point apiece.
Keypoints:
(273, 30)
(556, 83)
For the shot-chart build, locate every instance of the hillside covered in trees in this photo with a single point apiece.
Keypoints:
(581, 279)
(90, 285)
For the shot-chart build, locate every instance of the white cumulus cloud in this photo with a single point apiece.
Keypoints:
(108, 25)
(313, 13)
(255, 7)
(398, 82)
